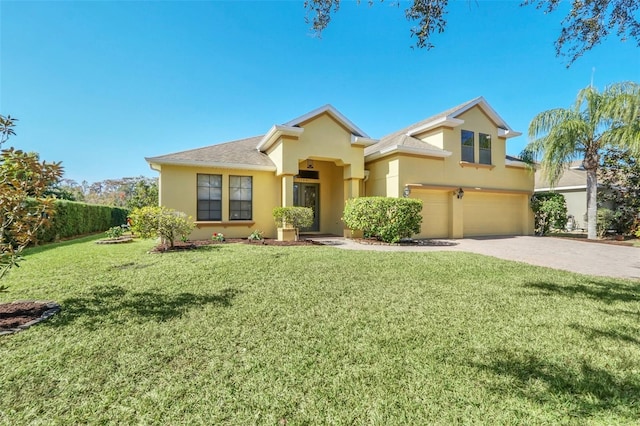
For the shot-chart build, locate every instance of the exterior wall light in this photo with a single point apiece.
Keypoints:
(459, 193)
(406, 192)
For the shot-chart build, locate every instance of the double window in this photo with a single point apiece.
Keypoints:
(467, 147)
(210, 197)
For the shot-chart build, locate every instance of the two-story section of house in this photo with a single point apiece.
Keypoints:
(454, 161)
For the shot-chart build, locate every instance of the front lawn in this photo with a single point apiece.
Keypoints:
(241, 334)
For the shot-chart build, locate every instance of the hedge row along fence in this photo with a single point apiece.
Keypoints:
(72, 219)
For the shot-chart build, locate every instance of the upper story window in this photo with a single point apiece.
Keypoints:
(240, 197)
(209, 197)
(485, 148)
(467, 146)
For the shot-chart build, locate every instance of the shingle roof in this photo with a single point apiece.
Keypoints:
(240, 153)
(573, 176)
(400, 138)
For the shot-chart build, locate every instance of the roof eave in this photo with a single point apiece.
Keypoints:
(362, 141)
(399, 149)
(275, 133)
(211, 164)
(334, 113)
(507, 133)
(515, 163)
(447, 121)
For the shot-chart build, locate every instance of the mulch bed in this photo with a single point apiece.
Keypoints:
(193, 245)
(612, 241)
(17, 316)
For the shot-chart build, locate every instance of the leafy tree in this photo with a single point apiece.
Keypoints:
(590, 22)
(586, 24)
(144, 193)
(550, 211)
(24, 207)
(128, 192)
(168, 224)
(596, 122)
(619, 175)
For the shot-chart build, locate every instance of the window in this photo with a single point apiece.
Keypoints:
(467, 146)
(209, 197)
(240, 197)
(485, 148)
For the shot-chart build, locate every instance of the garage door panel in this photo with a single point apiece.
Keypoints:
(492, 214)
(435, 214)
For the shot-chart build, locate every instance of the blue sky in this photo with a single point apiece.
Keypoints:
(100, 85)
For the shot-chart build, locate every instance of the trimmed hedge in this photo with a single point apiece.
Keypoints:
(72, 219)
(386, 218)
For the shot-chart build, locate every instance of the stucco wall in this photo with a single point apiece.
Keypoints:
(178, 190)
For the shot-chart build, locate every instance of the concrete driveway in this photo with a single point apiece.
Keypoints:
(570, 255)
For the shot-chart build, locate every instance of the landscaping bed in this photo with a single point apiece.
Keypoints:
(193, 245)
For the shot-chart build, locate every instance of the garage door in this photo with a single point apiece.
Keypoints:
(435, 213)
(492, 214)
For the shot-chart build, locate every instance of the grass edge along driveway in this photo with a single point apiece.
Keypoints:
(240, 334)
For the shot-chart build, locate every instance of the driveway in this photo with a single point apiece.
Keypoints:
(570, 255)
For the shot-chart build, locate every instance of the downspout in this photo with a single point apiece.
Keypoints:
(364, 181)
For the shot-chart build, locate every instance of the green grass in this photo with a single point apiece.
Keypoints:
(238, 334)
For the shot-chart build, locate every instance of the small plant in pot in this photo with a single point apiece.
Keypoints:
(289, 221)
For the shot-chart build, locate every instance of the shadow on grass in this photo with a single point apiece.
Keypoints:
(49, 246)
(603, 290)
(594, 333)
(114, 304)
(580, 392)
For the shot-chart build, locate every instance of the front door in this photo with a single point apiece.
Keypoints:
(308, 195)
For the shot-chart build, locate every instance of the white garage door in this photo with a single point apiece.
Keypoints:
(492, 214)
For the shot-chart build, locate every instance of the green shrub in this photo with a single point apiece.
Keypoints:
(606, 218)
(550, 211)
(386, 218)
(294, 217)
(168, 224)
(114, 232)
(256, 236)
(72, 219)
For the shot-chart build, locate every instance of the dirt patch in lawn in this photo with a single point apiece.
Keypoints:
(17, 316)
(194, 245)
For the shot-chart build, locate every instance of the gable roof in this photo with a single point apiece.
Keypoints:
(403, 139)
(240, 154)
(574, 177)
(292, 128)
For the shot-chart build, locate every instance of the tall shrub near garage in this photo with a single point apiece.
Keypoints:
(550, 211)
(386, 218)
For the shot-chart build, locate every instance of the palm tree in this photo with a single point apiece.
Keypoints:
(596, 122)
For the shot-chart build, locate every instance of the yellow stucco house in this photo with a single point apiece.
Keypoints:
(454, 161)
